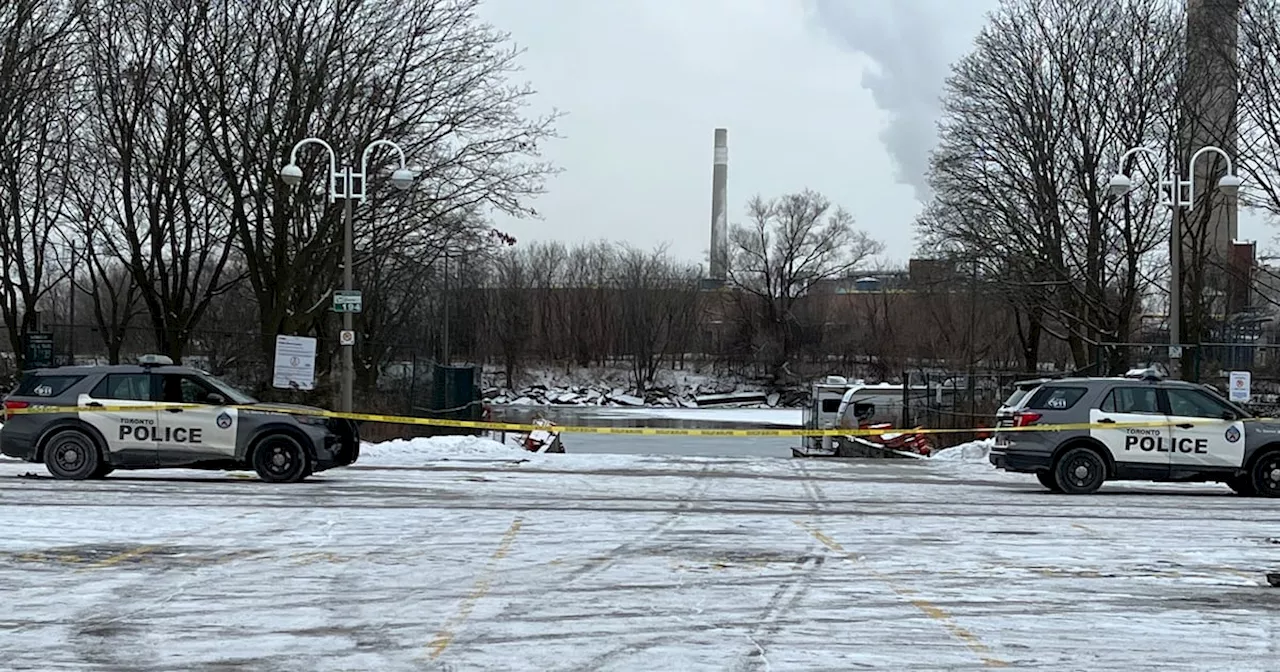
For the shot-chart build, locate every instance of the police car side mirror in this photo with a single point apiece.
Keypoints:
(1229, 415)
(216, 399)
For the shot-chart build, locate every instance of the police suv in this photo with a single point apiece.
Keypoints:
(79, 421)
(1139, 427)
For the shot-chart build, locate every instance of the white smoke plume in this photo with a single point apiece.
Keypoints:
(913, 43)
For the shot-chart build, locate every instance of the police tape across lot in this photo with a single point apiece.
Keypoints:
(590, 429)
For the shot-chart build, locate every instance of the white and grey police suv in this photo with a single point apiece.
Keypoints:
(185, 419)
(1178, 431)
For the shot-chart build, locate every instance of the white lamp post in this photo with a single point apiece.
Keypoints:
(348, 185)
(1179, 194)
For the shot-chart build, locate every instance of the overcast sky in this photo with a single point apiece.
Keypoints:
(835, 95)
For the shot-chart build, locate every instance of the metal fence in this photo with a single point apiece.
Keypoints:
(957, 401)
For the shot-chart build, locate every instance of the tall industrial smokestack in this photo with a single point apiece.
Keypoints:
(720, 207)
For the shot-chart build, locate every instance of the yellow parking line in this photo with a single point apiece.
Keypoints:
(984, 652)
(121, 557)
(443, 638)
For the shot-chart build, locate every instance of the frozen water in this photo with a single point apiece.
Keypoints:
(463, 554)
(785, 417)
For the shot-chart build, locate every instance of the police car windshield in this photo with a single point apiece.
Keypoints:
(232, 394)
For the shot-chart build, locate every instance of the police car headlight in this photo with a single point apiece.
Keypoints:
(318, 420)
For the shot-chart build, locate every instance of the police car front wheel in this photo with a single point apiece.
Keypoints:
(279, 458)
(1080, 471)
(71, 454)
(1266, 475)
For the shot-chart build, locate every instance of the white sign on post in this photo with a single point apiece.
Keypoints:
(1240, 382)
(295, 363)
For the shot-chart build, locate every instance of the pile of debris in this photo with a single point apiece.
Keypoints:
(697, 396)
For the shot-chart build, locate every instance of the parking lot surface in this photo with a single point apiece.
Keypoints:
(607, 562)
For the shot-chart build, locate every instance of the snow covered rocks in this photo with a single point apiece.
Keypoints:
(613, 387)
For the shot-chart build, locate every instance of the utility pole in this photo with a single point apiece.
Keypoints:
(447, 354)
(350, 186)
(71, 339)
(348, 283)
(1180, 196)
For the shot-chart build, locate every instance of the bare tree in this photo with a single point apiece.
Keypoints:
(790, 244)
(113, 297)
(1035, 119)
(511, 317)
(1259, 75)
(425, 73)
(37, 121)
(591, 314)
(169, 218)
(655, 297)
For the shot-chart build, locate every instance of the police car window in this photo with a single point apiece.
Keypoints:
(1018, 394)
(1055, 398)
(186, 390)
(1196, 404)
(830, 405)
(46, 386)
(124, 386)
(1132, 400)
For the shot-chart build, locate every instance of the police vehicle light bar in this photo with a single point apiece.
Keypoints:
(155, 360)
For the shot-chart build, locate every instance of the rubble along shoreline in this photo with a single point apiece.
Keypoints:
(700, 396)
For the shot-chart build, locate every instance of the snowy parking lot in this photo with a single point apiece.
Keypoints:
(507, 560)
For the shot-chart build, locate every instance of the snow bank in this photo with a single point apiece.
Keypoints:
(415, 452)
(975, 452)
(969, 461)
(423, 452)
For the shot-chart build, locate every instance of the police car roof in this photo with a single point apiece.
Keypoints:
(1129, 380)
(111, 368)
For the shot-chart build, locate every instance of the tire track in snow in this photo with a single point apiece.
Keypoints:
(701, 484)
(108, 632)
(933, 611)
(790, 594)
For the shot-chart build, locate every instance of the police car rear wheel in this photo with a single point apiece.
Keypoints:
(1080, 471)
(72, 455)
(279, 458)
(1266, 475)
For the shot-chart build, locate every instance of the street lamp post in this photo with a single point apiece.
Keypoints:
(1179, 194)
(349, 185)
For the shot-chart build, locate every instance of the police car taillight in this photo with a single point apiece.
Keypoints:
(9, 405)
(1025, 418)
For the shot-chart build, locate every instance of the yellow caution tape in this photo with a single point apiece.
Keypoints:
(634, 431)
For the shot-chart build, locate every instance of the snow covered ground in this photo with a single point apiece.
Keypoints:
(460, 554)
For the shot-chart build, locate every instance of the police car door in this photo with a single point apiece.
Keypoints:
(1202, 435)
(1141, 450)
(129, 433)
(189, 421)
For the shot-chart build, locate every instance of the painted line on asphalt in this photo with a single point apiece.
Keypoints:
(984, 652)
(121, 557)
(482, 585)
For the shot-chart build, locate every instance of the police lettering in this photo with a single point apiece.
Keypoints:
(1148, 444)
(162, 434)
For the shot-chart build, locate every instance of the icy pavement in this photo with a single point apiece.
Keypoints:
(501, 560)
